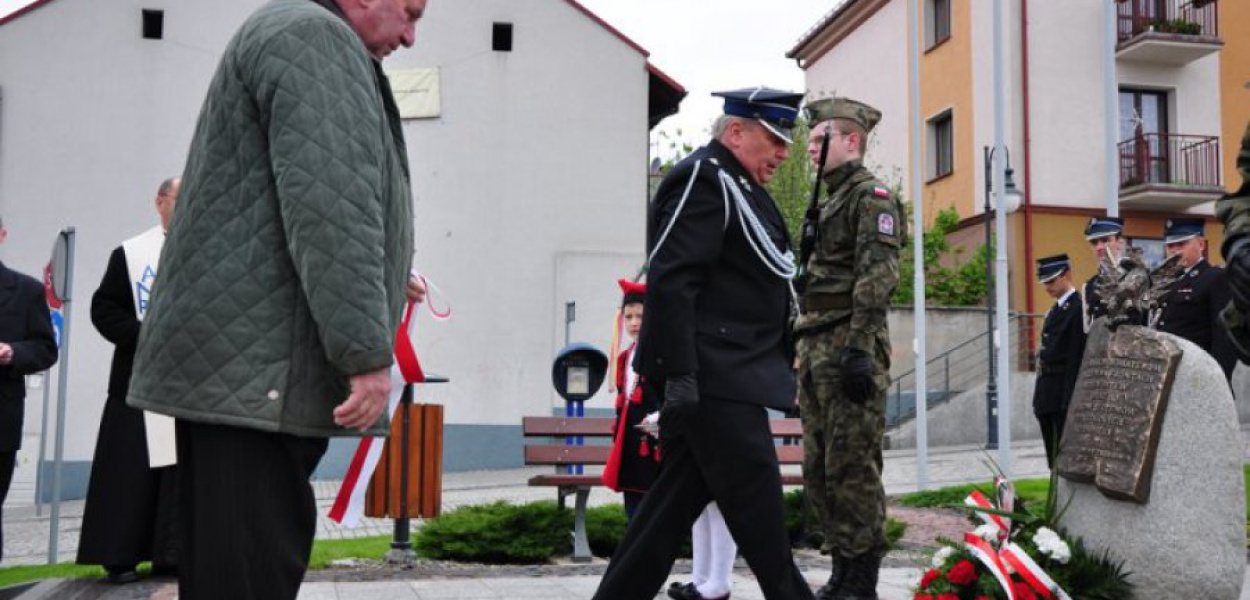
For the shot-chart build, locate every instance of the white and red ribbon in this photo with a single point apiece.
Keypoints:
(349, 504)
(985, 553)
(1033, 574)
(978, 500)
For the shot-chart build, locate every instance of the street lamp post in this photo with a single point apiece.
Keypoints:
(1011, 201)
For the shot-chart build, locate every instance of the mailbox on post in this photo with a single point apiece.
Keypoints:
(578, 372)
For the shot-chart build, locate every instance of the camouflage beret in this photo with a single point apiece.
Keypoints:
(842, 108)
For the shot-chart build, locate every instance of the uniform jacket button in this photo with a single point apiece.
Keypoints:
(273, 394)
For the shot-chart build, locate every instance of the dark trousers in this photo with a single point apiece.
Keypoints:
(632, 500)
(7, 461)
(726, 455)
(246, 511)
(1052, 432)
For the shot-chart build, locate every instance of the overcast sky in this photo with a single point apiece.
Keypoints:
(713, 46)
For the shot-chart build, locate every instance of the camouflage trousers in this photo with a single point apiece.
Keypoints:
(842, 445)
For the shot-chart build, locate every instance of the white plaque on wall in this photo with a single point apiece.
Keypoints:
(416, 92)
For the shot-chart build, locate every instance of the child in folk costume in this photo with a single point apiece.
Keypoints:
(635, 459)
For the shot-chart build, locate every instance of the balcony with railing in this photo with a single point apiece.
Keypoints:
(1169, 171)
(1168, 32)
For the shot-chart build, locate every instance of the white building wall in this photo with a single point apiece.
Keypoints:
(537, 165)
(1067, 103)
(871, 65)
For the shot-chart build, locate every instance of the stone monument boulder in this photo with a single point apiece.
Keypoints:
(1188, 540)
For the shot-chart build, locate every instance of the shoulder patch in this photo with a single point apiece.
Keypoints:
(885, 223)
(880, 192)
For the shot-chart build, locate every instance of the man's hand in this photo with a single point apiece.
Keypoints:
(416, 290)
(1239, 275)
(6, 354)
(370, 392)
(857, 375)
(681, 402)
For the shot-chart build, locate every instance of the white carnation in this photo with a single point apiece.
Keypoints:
(1050, 544)
(986, 532)
(943, 553)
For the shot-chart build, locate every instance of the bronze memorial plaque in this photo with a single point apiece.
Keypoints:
(1117, 411)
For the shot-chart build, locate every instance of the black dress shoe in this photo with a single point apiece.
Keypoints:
(165, 571)
(121, 575)
(688, 591)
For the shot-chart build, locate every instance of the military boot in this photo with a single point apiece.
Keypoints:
(859, 582)
(837, 571)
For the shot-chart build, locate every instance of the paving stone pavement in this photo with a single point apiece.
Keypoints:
(26, 536)
(26, 527)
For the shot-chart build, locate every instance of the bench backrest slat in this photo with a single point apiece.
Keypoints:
(559, 454)
(602, 426)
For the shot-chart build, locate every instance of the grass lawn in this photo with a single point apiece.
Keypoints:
(323, 552)
(1032, 490)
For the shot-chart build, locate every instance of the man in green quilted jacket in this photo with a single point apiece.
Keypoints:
(282, 283)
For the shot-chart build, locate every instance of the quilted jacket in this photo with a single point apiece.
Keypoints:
(286, 262)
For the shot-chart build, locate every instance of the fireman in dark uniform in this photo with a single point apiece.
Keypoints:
(716, 337)
(1192, 305)
(1104, 234)
(1059, 358)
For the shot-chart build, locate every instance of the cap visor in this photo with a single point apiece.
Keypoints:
(1098, 236)
(783, 134)
(1176, 239)
(1049, 278)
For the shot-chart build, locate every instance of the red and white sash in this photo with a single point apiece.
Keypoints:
(349, 504)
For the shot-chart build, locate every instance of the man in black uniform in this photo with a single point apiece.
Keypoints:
(27, 345)
(1104, 234)
(1191, 308)
(1059, 358)
(715, 335)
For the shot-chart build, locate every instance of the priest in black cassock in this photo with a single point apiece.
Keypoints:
(130, 516)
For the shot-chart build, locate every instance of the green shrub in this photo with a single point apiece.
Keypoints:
(605, 526)
(498, 533)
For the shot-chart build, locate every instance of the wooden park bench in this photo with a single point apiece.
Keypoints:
(598, 432)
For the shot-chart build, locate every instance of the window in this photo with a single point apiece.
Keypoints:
(153, 24)
(937, 22)
(1153, 250)
(941, 143)
(1145, 152)
(501, 37)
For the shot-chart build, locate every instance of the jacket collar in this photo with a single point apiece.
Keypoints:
(333, 7)
(726, 160)
(840, 174)
(8, 279)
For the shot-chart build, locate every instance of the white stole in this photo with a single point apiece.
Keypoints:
(143, 253)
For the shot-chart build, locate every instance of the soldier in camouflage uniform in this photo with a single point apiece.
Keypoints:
(844, 347)
(1234, 211)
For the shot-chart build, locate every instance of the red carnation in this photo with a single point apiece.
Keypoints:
(922, 597)
(1023, 591)
(929, 577)
(947, 596)
(963, 573)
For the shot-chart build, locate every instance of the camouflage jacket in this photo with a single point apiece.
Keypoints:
(854, 268)
(1234, 211)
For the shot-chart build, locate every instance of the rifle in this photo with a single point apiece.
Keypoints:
(811, 219)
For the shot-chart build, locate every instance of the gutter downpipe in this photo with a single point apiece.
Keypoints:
(1029, 304)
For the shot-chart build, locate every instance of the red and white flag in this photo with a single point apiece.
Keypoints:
(349, 505)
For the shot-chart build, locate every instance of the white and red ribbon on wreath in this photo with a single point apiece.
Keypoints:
(1010, 558)
(1019, 561)
(989, 557)
(349, 504)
